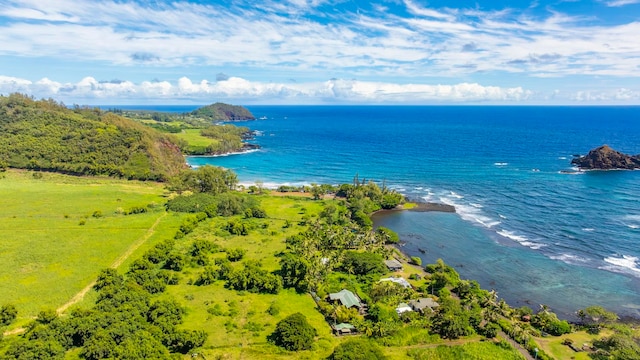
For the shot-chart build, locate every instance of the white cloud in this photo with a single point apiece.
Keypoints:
(294, 39)
(618, 3)
(93, 91)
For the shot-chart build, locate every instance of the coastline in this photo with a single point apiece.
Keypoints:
(421, 207)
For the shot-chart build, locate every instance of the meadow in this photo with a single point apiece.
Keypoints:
(57, 232)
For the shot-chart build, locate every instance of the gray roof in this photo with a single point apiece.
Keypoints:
(422, 303)
(393, 264)
(346, 297)
(398, 280)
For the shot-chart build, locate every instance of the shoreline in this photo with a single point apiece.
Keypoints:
(420, 207)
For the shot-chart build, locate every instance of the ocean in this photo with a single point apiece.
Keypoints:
(523, 225)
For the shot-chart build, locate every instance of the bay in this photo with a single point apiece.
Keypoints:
(523, 226)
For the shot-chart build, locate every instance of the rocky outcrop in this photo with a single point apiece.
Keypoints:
(605, 158)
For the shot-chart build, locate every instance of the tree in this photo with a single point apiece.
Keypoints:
(363, 263)
(8, 313)
(294, 270)
(452, 321)
(294, 333)
(387, 235)
(357, 349)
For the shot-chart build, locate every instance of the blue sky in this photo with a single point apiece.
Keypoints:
(322, 51)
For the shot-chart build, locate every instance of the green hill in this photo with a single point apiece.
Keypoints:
(223, 112)
(45, 135)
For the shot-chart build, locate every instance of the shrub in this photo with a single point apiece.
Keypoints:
(416, 260)
(8, 313)
(294, 333)
(357, 349)
(235, 254)
(274, 309)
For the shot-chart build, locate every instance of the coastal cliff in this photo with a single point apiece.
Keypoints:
(605, 158)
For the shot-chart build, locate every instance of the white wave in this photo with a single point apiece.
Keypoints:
(502, 216)
(272, 185)
(562, 158)
(631, 221)
(588, 229)
(512, 235)
(227, 154)
(532, 245)
(501, 164)
(477, 206)
(455, 195)
(521, 239)
(467, 211)
(626, 264)
(570, 259)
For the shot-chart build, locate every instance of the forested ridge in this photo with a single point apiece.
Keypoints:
(46, 135)
(223, 112)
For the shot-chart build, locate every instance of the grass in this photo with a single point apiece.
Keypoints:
(554, 346)
(47, 255)
(240, 325)
(484, 350)
(194, 139)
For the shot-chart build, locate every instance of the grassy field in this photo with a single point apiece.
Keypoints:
(240, 327)
(52, 245)
(196, 141)
(554, 346)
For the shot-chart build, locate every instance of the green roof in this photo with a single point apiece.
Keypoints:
(344, 326)
(346, 297)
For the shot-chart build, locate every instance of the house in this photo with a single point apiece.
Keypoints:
(344, 329)
(393, 265)
(403, 307)
(398, 280)
(422, 304)
(346, 298)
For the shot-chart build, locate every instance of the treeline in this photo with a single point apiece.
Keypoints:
(45, 135)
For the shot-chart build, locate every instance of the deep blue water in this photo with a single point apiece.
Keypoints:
(524, 228)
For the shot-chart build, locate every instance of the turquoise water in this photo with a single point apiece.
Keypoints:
(523, 227)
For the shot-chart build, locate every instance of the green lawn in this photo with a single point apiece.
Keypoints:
(194, 139)
(47, 256)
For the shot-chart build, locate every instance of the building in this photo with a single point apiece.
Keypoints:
(346, 298)
(398, 280)
(393, 265)
(402, 308)
(344, 329)
(423, 304)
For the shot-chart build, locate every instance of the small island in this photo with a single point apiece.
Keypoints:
(605, 158)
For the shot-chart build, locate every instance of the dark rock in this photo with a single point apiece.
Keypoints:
(605, 158)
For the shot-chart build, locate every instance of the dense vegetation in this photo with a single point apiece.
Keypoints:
(223, 112)
(250, 275)
(45, 135)
(198, 133)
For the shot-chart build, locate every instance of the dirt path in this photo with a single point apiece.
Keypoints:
(516, 346)
(133, 247)
(121, 259)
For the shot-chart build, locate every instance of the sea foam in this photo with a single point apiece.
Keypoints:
(625, 264)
